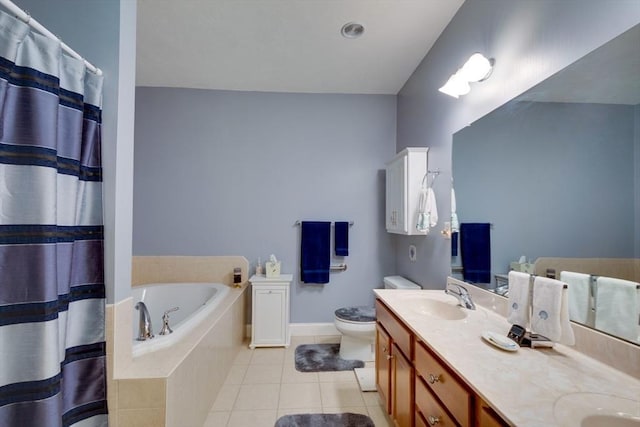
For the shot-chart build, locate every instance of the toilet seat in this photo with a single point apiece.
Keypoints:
(361, 315)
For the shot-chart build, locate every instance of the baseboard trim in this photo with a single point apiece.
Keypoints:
(312, 329)
(305, 329)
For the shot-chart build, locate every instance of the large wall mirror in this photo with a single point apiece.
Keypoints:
(556, 175)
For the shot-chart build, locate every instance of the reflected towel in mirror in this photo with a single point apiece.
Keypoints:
(617, 307)
(475, 249)
(579, 295)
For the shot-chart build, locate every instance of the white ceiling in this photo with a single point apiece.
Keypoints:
(286, 45)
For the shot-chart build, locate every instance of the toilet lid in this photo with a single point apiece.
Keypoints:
(356, 314)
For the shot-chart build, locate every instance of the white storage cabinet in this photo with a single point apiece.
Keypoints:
(270, 311)
(404, 174)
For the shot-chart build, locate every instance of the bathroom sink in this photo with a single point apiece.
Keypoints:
(595, 410)
(609, 421)
(440, 309)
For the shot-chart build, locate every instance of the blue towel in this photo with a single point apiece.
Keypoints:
(454, 243)
(341, 238)
(475, 248)
(315, 253)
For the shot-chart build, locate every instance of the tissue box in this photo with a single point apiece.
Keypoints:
(272, 269)
(525, 267)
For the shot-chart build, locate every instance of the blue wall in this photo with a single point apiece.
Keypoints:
(229, 173)
(554, 179)
(530, 40)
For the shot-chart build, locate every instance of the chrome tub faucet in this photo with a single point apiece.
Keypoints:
(461, 293)
(145, 329)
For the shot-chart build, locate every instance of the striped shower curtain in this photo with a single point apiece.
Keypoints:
(52, 326)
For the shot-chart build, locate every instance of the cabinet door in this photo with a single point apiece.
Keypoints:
(269, 316)
(383, 367)
(396, 186)
(486, 416)
(401, 388)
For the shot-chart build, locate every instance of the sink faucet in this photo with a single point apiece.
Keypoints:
(461, 293)
(145, 330)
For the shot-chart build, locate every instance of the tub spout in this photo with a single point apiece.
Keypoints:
(145, 330)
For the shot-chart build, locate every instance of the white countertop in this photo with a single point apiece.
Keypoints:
(263, 280)
(522, 386)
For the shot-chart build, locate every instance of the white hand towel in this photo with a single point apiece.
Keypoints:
(432, 209)
(567, 337)
(617, 307)
(519, 302)
(579, 292)
(546, 316)
(423, 221)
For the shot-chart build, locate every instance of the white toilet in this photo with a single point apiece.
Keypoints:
(358, 325)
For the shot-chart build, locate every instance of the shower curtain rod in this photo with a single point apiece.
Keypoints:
(25, 17)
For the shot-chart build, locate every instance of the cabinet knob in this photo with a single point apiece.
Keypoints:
(433, 420)
(433, 379)
(389, 357)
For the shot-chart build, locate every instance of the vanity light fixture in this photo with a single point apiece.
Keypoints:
(476, 69)
(352, 30)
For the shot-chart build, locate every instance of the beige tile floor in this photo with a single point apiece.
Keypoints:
(263, 385)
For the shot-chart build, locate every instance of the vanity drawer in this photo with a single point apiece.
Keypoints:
(398, 332)
(428, 411)
(453, 395)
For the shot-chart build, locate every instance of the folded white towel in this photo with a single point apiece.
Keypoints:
(617, 307)
(519, 298)
(579, 292)
(432, 209)
(550, 313)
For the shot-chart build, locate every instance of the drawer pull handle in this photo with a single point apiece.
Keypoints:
(433, 420)
(389, 357)
(433, 379)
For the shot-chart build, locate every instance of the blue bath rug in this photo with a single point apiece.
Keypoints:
(346, 419)
(323, 357)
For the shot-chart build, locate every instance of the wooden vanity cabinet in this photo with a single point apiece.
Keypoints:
(394, 370)
(416, 387)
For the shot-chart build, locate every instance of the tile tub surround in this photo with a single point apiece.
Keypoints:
(175, 386)
(167, 269)
(522, 386)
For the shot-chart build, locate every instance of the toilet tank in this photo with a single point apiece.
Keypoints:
(399, 282)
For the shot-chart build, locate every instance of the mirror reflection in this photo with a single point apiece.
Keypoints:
(554, 176)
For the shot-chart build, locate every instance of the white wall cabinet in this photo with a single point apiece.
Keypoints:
(404, 174)
(270, 311)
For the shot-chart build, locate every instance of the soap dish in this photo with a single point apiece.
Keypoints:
(500, 341)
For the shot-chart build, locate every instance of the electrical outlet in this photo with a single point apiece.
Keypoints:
(413, 252)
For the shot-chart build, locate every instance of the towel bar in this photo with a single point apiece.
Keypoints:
(297, 223)
(339, 267)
